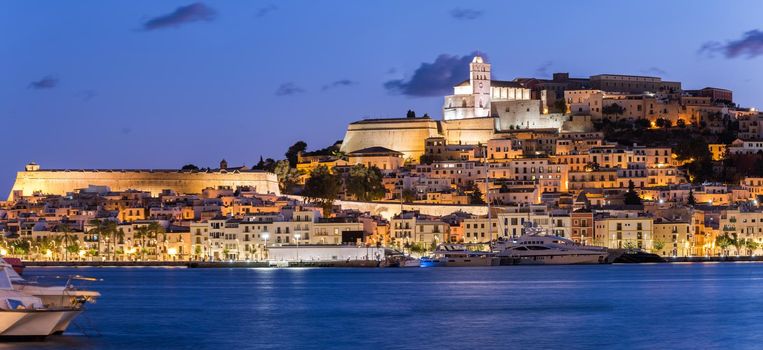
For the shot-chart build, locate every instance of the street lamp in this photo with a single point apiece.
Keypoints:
(265, 236)
(172, 251)
(296, 237)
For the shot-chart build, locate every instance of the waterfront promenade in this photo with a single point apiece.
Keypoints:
(333, 263)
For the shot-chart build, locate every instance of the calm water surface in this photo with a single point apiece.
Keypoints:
(627, 306)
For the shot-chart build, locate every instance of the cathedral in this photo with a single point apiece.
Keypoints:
(479, 109)
(474, 97)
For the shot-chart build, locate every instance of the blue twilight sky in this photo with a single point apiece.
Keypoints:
(152, 84)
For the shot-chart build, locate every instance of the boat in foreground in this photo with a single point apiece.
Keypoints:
(66, 297)
(24, 316)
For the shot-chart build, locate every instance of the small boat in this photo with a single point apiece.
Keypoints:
(637, 257)
(409, 261)
(456, 255)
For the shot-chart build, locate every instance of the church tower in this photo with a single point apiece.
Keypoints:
(479, 76)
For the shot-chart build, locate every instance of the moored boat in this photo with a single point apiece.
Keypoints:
(533, 248)
(456, 255)
(24, 316)
(65, 297)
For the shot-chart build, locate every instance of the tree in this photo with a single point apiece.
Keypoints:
(476, 196)
(642, 123)
(260, 165)
(270, 165)
(108, 230)
(293, 152)
(190, 167)
(658, 245)
(119, 237)
(154, 232)
(140, 234)
(751, 245)
(560, 106)
(103, 230)
(66, 237)
(592, 166)
(631, 197)
(737, 242)
(287, 176)
(322, 188)
(613, 109)
(723, 241)
(409, 195)
(691, 200)
(410, 114)
(365, 183)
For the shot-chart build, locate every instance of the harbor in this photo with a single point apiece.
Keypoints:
(589, 306)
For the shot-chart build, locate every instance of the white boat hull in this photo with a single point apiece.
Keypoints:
(562, 259)
(30, 324)
(66, 319)
(473, 261)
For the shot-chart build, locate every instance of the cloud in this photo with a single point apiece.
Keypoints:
(465, 14)
(542, 70)
(47, 82)
(654, 71)
(184, 14)
(263, 11)
(339, 83)
(125, 131)
(288, 89)
(86, 95)
(434, 79)
(750, 46)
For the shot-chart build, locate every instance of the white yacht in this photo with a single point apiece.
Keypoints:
(536, 248)
(548, 250)
(25, 316)
(55, 297)
(450, 255)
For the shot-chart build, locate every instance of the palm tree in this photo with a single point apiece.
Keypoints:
(108, 231)
(119, 235)
(140, 235)
(73, 247)
(155, 231)
(96, 231)
(737, 242)
(66, 238)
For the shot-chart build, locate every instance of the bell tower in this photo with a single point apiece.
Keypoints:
(479, 76)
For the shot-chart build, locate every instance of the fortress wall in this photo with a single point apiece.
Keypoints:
(63, 181)
(469, 131)
(405, 136)
(390, 209)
